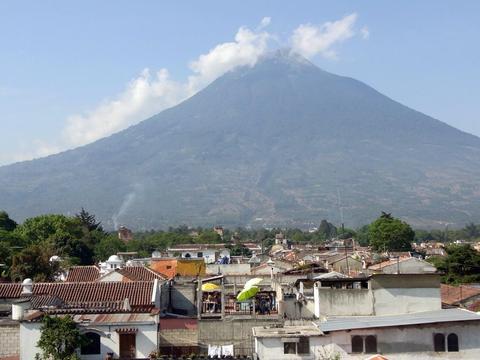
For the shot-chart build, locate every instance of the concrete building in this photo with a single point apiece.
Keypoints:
(128, 336)
(440, 334)
(379, 294)
(211, 253)
(118, 317)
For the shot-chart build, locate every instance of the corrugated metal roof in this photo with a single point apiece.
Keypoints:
(428, 317)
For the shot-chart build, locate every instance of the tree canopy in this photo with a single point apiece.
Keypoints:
(6, 223)
(461, 265)
(59, 339)
(389, 233)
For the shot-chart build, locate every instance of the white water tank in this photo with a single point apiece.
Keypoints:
(27, 286)
(18, 309)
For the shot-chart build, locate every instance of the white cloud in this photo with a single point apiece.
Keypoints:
(245, 50)
(365, 32)
(265, 22)
(143, 97)
(147, 95)
(310, 40)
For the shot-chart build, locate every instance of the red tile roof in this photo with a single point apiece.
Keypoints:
(140, 273)
(452, 295)
(13, 357)
(381, 265)
(83, 273)
(195, 247)
(139, 293)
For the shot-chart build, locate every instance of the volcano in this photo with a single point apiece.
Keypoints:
(279, 143)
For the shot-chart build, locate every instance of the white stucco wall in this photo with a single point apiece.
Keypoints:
(272, 349)
(228, 269)
(396, 343)
(29, 336)
(146, 340)
(406, 300)
(207, 255)
(343, 302)
(414, 342)
(380, 301)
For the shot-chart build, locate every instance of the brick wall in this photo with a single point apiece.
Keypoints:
(9, 339)
(178, 332)
(233, 331)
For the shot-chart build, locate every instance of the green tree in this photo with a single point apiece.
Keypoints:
(209, 237)
(34, 262)
(389, 233)
(327, 230)
(461, 265)
(239, 250)
(88, 221)
(59, 339)
(74, 238)
(50, 227)
(110, 245)
(5, 260)
(346, 233)
(6, 223)
(471, 231)
(362, 236)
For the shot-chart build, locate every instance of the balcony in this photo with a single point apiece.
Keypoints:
(263, 304)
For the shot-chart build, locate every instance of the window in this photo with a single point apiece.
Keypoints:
(187, 255)
(93, 344)
(289, 348)
(303, 346)
(364, 344)
(452, 341)
(200, 254)
(299, 347)
(357, 344)
(370, 344)
(438, 342)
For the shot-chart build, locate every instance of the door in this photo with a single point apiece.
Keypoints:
(127, 346)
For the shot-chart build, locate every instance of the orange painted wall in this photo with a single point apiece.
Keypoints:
(182, 267)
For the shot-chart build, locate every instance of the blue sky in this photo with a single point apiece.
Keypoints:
(70, 67)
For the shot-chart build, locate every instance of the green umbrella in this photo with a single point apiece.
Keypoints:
(246, 294)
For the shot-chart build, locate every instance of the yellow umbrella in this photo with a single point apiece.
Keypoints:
(252, 282)
(210, 287)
